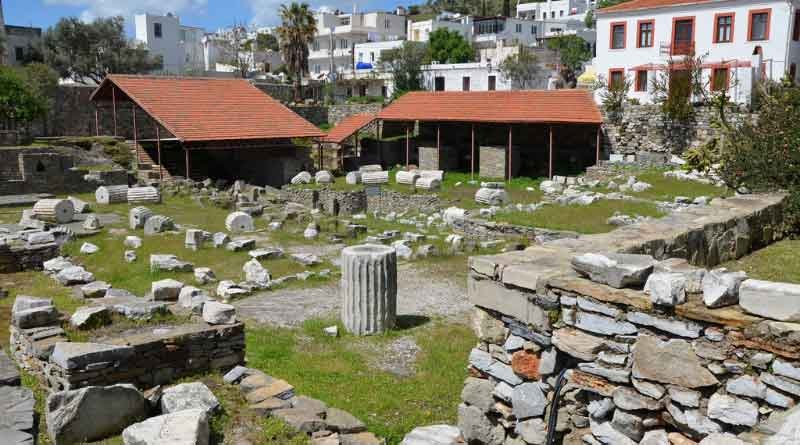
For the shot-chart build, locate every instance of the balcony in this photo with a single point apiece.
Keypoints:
(669, 49)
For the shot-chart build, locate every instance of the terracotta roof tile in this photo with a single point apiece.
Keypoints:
(203, 109)
(347, 127)
(536, 106)
(635, 5)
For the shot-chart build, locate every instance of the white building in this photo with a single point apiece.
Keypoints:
(464, 77)
(420, 31)
(180, 47)
(337, 35)
(555, 10)
(740, 41)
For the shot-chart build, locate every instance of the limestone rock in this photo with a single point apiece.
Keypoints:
(655, 437)
(193, 298)
(130, 256)
(748, 386)
(134, 242)
(239, 222)
(89, 249)
(219, 313)
(92, 413)
(323, 177)
(343, 422)
(491, 197)
(79, 205)
(168, 263)
(650, 353)
(778, 301)
(628, 423)
(353, 178)
(476, 427)
(166, 290)
(240, 244)
(630, 400)
(732, 410)
(204, 275)
(693, 421)
(693, 276)
(606, 434)
(92, 222)
(255, 273)
(9, 374)
(74, 275)
(73, 355)
(30, 312)
(616, 270)
(406, 177)
(303, 177)
(434, 435)
(532, 431)
(16, 408)
(377, 177)
(369, 288)
(220, 239)
(158, 224)
(528, 400)
(138, 216)
(577, 344)
(722, 439)
(90, 317)
(138, 195)
(721, 288)
(194, 239)
(666, 289)
(59, 211)
(478, 392)
(188, 427)
(194, 395)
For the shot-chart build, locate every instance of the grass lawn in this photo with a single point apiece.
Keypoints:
(337, 371)
(577, 218)
(778, 262)
(667, 189)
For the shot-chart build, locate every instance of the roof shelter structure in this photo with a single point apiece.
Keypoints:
(537, 118)
(348, 128)
(199, 114)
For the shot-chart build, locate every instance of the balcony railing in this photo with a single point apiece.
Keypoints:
(676, 48)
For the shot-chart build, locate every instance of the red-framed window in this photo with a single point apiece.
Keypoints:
(723, 27)
(796, 28)
(758, 25)
(720, 78)
(683, 31)
(645, 33)
(641, 80)
(616, 77)
(619, 34)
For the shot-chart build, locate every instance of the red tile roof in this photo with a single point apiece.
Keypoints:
(535, 107)
(202, 109)
(347, 127)
(635, 5)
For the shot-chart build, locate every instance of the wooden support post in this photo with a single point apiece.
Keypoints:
(509, 152)
(135, 143)
(96, 121)
(358, 147)
(438, 148)
(187, 167)
(472, 155)
(550, 163)
(114, 108)
(158, 148)
(597, 145)
(408, 148)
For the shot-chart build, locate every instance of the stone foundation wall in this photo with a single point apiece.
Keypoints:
(143, 359)
(483, 229)
(390, 201)
(17, 255)
(642, 129)
(332, 202)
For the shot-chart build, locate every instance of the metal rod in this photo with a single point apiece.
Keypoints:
(509, 152)
(135, 142)
(160, 167)
(472, 155)
(186, 154)
(550, 167)
(114, 106)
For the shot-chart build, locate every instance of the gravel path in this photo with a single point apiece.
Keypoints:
(419, 293)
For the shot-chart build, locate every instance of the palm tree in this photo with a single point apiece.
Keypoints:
(296, 32)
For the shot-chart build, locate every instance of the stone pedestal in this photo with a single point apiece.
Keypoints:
(369, 288)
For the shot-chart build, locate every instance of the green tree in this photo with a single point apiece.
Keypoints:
(265, 41)
(21, 100)
(406, 66)
(607, 3)
(82, 51)
(522, 69)
(446, 46)
(573, 52)
(297, 30)
(589, 19)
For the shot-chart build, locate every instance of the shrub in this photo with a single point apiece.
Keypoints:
(365, 100)
(614, 95)
(764, 155)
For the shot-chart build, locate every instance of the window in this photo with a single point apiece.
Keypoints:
(641, 80)
(618, 36)
(343, 44)
(723, 28)
(616, 77)
(646, 32)
(157, 30)
(719, 79)
(387, 23)
(492, 83)
(518, 27)
(19, 53)
(438, 84)
(362, 90)
(315, 46)
(384, 91)
(759, 24)
(533, 29)
(561, 13)
(371, 56)
(682, 35)
(465, 83)
(796, 28)
(552, 14)
(360, 57)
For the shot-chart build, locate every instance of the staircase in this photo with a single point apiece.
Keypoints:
(148, 169)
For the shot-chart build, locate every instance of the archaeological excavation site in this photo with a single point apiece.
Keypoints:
(450, 269)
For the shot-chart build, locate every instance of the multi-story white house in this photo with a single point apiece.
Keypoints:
(739, 41)
(555, 9)
(337, 34)
(421, 31)
(180, 47)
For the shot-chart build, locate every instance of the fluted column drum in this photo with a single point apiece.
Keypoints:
(369, 288)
